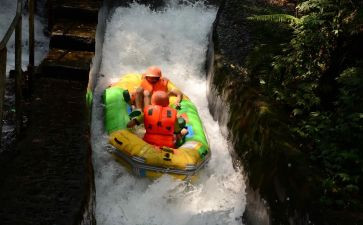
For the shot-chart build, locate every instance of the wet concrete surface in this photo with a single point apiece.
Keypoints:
(49, 179)
(47, 175)
(67, 64)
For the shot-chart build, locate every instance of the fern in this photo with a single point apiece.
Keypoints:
(276, 18)
(316, 6)
(325, 112)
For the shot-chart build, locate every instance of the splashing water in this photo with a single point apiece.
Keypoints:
(175, 39)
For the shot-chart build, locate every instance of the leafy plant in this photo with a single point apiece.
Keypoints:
(318, 78)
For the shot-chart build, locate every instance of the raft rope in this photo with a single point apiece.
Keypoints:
(137, 164)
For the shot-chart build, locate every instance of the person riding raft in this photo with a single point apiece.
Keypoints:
(163, 127)
(152, 80)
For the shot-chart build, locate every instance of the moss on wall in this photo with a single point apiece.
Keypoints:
(259, 128)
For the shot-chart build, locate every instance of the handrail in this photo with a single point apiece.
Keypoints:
(11, 28)
(16, 25)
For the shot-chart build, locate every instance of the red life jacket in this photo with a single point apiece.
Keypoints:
(161, 85)
(159, 124)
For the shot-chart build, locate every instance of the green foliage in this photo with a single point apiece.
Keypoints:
(276, 18)
(317, 76)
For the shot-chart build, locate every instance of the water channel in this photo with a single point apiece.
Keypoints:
(176, 39)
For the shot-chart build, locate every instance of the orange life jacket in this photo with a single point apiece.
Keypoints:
(161, 85)
(159, 124)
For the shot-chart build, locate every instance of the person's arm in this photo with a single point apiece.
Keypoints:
(180, 130)
(133, 122)
(136, 121)
(178, 94)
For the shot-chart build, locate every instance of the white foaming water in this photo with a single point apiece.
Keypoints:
(175, 39)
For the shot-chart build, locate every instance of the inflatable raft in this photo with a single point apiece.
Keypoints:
(145, 159)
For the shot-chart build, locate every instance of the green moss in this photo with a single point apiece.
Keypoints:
(89, 98)
(280, 128)
(259, 126)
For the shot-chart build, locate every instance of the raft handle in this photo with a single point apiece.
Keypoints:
(168, 150)
(117, 141)
(167, 157)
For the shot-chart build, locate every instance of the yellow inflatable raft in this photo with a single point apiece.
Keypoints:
(145, 159)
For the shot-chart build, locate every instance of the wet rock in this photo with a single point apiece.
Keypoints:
(257, 127)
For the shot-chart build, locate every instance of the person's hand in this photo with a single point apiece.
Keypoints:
(177, 105)
(184, 132)
(131, 123)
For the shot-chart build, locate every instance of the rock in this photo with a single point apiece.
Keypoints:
(257, 127)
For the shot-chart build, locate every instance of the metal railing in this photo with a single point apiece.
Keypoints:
(16, 25)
